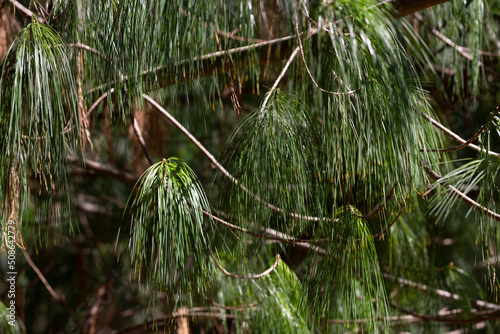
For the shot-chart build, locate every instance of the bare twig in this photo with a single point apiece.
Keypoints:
(141, 139)
(349, 92)
(265, 273)
(92, 319)
(283, 71)
(271, 234)
(458, 138)
(51, 291)
(381, 233)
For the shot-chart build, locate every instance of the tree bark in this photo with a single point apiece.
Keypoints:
(407, 7)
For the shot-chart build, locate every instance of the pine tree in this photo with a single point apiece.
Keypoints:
(250, 166)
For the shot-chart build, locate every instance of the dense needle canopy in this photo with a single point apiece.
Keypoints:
(337, 170)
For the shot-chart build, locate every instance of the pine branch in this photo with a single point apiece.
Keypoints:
(221, 168)
(469, 201)
(468, 142)
(458, 138)
(213, 63)
(442, 293)
(257, 276)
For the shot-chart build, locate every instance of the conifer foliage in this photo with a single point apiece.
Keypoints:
(251, 166)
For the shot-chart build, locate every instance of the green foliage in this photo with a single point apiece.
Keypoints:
(275, 161)
(342, 278)
(372, 125)
(267, 305)
(40, 124)
(169, 242)
(8, 325)
(337, 169)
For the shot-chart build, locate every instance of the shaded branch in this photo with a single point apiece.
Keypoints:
(458, 138)
(141, 139)
(214, 63)
(25, 10)
(87, 48)
(468, 142)
(407, 7)
(94, 166)
(51, 291)
(442, 293)
(92, 319)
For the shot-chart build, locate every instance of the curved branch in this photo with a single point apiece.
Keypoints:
(468, 142)
(87, 48)
(55, 295)
(271, 234)
(407, 7)
(265, 273)
(381, 233)
(458, 138)
(98, 101)
(221, 168)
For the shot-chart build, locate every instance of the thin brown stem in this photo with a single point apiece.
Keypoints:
(51, 291)
(458, 138)
(468, 142)
(264, 273)
(383, 232)
(442, 293)
(98, 101)
(141, 139)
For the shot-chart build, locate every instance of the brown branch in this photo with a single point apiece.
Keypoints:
(468, 142)
(407, 7)
(25, 10)
(469, 201)
(381, 233)
(55, 295)
(458, 138)
(459, 320)
(92, 319)
(442, 293)
(214, 63)
(94, 166)
(264, 273)
(141, 139)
